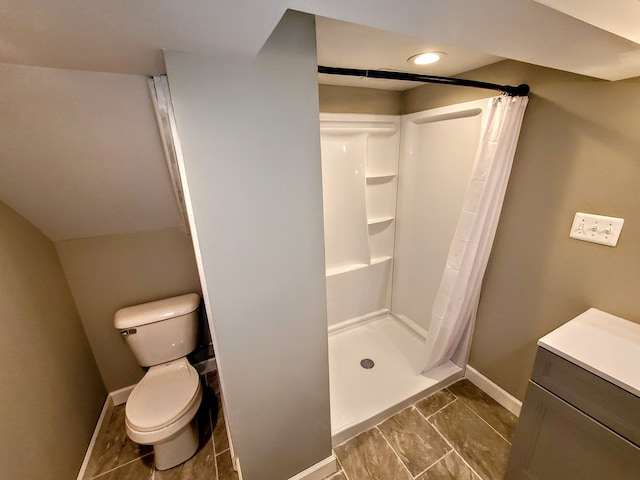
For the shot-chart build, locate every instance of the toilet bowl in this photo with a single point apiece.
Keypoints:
(161, 412)
(161, 409)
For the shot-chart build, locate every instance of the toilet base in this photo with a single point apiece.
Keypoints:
(178, 449)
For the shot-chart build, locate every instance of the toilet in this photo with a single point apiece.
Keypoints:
(161, 410)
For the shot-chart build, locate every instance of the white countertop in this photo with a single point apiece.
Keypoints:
(601, 343)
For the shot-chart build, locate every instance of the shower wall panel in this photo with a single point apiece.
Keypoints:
(343, 185)
(359, 174)
(436, 155)
(359, 292)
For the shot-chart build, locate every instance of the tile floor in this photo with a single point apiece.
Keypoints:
(115, 457)
(458, 433)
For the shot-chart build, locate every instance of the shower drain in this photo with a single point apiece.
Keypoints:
(366, 363)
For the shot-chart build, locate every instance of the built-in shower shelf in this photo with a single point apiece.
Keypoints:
(345, 268)
(359, 213)
(356, 266)
(376, 260)
(381, 178)
(376, 221)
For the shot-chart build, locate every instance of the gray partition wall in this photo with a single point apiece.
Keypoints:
(249, 132)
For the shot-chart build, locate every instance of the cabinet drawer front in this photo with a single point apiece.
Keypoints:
(556, 441)
(609, 404)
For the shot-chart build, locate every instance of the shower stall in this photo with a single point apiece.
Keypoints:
(394, 189)
(400, 200)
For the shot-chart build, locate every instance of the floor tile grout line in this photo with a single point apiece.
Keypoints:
(223, 451)
(468, 465)
(452, 451)
(426, 419)
(341, 466)
(413, 405)
(440, 409)
(122, 465)
(335, 475)
(212, 387)
(374, 426)
(106, 425)
(478, 414)
(453, 448)
(98, 446)
(487, 423)
(424, 471)
(395, 453)
(213, 445)
(341, 469)
(152, 469)
(447, 440)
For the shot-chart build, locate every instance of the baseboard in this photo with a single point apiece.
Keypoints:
(320, 470)
(500, 395)
(237, 468)
(120, 396)
(106, 408)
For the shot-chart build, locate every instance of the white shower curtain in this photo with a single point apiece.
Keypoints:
(455, 304)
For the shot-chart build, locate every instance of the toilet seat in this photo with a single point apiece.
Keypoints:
(166, 399)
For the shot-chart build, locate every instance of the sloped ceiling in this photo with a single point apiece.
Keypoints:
(620, 17)
(81, 154)
(127, 36)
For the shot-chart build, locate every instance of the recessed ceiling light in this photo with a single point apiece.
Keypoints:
(426, 58)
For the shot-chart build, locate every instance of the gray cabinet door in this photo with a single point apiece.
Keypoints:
(605, 402)
(555, 441)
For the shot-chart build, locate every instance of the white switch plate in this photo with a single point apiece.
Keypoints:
(596, 228)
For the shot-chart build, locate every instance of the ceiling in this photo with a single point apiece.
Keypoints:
(621, 17)
(123, 36)
(81, 152)
(346, 45)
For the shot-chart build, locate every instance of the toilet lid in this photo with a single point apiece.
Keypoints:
(162, 396)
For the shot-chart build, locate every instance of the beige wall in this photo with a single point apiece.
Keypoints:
(110, 272)
(338, 99)
(579, 150)
(51, 388)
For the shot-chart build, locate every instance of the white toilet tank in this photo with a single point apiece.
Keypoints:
(161, 331)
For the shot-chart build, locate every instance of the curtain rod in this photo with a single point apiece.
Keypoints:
(514, 91)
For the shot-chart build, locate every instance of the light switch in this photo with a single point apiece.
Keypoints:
(596, 228)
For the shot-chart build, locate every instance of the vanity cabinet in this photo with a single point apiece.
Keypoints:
(580, 418)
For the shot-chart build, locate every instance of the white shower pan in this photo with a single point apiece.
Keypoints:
(362, 398)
